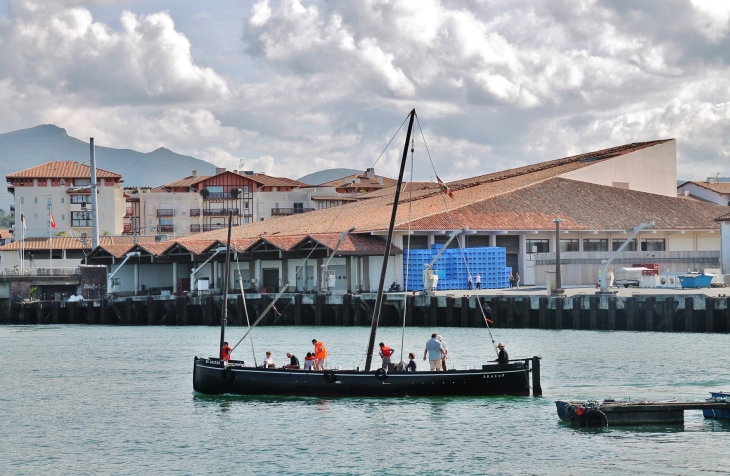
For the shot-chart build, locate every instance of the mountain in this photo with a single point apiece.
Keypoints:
(328, 175)
(27, 148)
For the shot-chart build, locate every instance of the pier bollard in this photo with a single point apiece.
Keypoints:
(689, 311)
(593, 303)
(318, 310)
(559, 306)
(346, 309)
(543, 303)
(536, 387)
(411, 303)
(434, 309)
(464, 311)
(649, 303)
(298, 309)
(150, 311)
(709, 314)
(510, 320)
(449, 311)
(358, 311)
(612, 313)
(72, 312)
(526, 308)
(209, 304)
(128, 307)
(577, 311)
(669, 314)
(494, 306)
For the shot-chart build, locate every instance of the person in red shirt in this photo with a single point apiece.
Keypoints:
(385, 353)
(226, 352)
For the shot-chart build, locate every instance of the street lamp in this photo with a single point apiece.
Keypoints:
(558, 289)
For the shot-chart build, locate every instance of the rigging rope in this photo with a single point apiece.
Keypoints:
(391, 139)
(245, 309)
(458, 241)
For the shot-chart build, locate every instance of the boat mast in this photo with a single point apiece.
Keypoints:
(224, 314)
(388, 241)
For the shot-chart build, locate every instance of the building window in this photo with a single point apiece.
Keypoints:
(63, 199)
(102, 199)
(276, 205)
(245, 189)
(80, 219)
(595, 245)
(298, 206)
(538, 246)
(103, 217)
(569, 245)
(245, 205)
(63, 181)
(22, 200)
(652, 245)
(616, 244)
(81, 198)
(35, 199)
(49, 203)
(245, 220)
(63, 217)
(35, 217)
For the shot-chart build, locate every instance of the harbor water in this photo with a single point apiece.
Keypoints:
(119, 400)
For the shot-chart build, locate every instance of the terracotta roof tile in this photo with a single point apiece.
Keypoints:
(188, 181)
(118, 251)
(73, 243)
(62, 169)
(5, 234)
(269, 181)
(719, 187)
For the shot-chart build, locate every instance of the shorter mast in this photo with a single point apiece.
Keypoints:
(386, 255)
(224, 314)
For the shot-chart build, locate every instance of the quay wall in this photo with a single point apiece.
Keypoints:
(664, 313)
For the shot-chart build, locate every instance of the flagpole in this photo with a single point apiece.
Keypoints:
(22, 239)
(50, 233)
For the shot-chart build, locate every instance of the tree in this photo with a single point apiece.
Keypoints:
(234, 192)
(61, 233)
(205, 193)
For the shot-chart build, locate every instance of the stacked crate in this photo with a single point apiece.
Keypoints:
(451, 267)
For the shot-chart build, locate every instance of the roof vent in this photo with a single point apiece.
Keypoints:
(711, 180)
(370, 173)
(686, 193)
(219, 170)
(195, 173)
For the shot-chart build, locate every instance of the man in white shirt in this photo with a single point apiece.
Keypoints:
(445, 348)
(479, 281)
(435, 352)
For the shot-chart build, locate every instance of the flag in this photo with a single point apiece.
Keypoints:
(53, 222)
(22, 221)
(444, 188)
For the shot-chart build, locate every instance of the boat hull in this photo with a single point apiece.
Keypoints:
(718, 414)
(210, 377)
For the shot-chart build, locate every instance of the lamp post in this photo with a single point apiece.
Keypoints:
(558, 289)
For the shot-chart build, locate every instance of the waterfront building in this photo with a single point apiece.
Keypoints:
(713, 190)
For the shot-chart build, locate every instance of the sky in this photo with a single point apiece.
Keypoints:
(290, 87)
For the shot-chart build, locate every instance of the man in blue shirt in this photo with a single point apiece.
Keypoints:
(435, 352)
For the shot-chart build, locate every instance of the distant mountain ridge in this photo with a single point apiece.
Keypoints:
(324, 176)
(37, 145)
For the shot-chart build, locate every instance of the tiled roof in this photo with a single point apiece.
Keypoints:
(188, 181)
(5, 234)
(62, 169)
(354, 244)
(156, 248)
(118, 251)
(72, 243)
(405, 189)
(719, 187)
(725, 217)
(270, 181)
(336, 197)
(284, 242)
(344, 182)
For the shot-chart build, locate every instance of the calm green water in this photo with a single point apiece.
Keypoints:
(119, 400)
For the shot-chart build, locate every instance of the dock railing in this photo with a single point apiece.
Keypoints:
(40, 271)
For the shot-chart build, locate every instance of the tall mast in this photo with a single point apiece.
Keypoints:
(224, 315)
(92, 189)
(386, 254)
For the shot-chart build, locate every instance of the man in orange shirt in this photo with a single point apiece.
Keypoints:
(226, 352)
(320, 354)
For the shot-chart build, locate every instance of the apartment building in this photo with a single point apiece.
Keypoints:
(63, 188)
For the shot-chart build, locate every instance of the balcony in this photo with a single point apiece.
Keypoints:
(164, 212)
(195, 212)
(218, 196)
(289, 211)
(194, 228)
(127, 229)
(220, 212)
(213, 227)
(129, 212)
(166, 228)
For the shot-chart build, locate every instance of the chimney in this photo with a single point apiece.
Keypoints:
(380, 180)
(686, 193)
(195, 173)
(710, 180)
(235, 172)
(219, 170)
(370, 173)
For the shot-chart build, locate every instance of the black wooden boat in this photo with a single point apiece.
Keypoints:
(214, 376)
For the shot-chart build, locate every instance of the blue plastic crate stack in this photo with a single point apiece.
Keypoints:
(451, 268)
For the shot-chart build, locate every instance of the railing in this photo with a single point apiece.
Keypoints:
(40, 271)
(218, 195)
(163, 212)
(213, 227)
(129, 212)
(194, 228)
(220, 212)
(289, 211)
(195, 212)
(166, 228)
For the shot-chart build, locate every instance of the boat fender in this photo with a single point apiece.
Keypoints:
(594, 419)
(228, 375)
(329, 377)
(381, 374)
(580, 411)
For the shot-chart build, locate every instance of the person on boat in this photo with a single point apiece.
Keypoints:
(503, 356)
(293, 361)
(446, 351)
(269, 361)
(226, 352)
(385, 353)
(411, 367)
(320, 353)
(479, 281)
(309, 361)
(469, 283)
(435, 352)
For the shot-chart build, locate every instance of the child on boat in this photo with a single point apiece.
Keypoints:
(411, 367)
(309, 361)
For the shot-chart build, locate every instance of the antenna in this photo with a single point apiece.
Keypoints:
(240, 164)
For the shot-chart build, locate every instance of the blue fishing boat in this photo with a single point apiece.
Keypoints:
(717, 413)
(695, 280)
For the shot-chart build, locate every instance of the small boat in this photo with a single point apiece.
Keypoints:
(216, 376)
(695, 280)
(719, 414)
